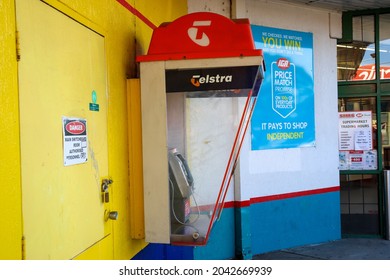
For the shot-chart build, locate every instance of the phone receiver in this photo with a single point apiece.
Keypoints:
(180, 174)
(186, 170)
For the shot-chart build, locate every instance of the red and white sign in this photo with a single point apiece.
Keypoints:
(75, 127)
(367, 72)
(283, 63)
(75, 140)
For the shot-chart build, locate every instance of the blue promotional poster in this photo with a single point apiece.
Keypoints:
(284, 112)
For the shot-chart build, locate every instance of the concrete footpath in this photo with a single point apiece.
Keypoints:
(343, 249)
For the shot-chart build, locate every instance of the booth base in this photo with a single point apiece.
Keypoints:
(191, 233)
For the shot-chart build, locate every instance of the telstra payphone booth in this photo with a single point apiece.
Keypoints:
(199, 84)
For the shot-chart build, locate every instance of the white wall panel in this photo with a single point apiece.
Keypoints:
(269, 172)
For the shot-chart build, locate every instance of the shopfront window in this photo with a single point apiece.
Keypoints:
(356, 60)
(358, 151)
(364, 119)
(384, 46)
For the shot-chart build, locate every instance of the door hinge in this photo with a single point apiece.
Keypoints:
(23, 248)
(17, 45)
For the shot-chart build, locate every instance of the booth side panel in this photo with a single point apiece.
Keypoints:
(155, 157)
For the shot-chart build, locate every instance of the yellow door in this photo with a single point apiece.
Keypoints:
(63, 115)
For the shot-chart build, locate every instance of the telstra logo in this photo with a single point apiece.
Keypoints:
(198, 80)
(196, 33)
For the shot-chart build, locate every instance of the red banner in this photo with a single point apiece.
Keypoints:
(367, 72)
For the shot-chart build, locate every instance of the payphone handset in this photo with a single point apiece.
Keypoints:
(182, 187)
(180, 173)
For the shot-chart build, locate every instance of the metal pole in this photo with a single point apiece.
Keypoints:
(387, 203)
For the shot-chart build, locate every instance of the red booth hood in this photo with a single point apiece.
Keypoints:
(201, 35)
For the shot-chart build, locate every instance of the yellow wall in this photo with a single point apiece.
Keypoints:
(125, 34)
(161, 11)
(10, 208)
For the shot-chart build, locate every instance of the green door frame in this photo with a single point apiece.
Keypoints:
(376, 88)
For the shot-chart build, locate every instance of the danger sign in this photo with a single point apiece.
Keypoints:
(75, 141)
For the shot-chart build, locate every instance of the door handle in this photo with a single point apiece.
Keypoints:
(110, 215)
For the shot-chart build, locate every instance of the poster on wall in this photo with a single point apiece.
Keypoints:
(358, 160)
(75, 147)
(284, 112)
(356, 151)
(355, 130)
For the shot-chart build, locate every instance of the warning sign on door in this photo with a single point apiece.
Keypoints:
(75, 140)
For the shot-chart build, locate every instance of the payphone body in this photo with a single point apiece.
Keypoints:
(181, 185)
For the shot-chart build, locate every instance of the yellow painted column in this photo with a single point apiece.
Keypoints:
(135, 159)
(10, 207)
